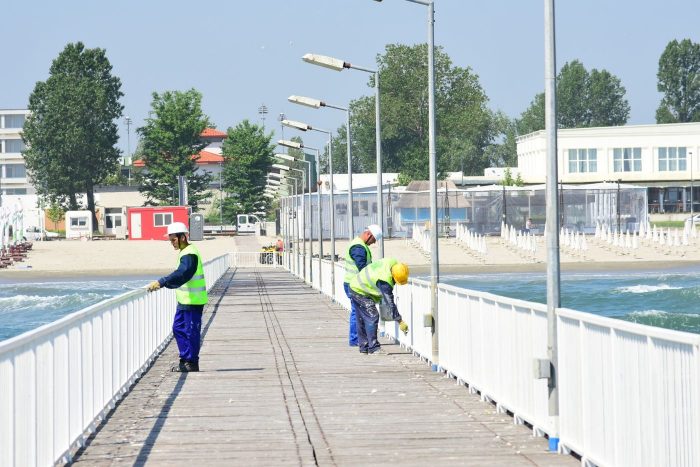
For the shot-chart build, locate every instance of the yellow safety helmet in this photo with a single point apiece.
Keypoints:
(399, 272)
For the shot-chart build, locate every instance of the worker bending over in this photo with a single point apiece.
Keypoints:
(357, 257)
(375, 284)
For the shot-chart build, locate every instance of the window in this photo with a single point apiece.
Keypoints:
(13, 146)
(162, 219)
(583, 160)
(78, 221)
(360, 208)
(341, 209)
(627, 159)
(15, 171)
(15, 191)
(672, 159)
(14, 121)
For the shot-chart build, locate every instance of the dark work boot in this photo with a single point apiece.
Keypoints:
(185, 367)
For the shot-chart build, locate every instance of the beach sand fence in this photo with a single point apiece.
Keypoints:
(59, 381)
(482, 210)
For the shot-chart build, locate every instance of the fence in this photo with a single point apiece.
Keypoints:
(480, 209)
(629, 394)
(60, 380)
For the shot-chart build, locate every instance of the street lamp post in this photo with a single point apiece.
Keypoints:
(306, 127)
(339, 65)
(434, 256)
(317, 104)
(692, 208)
(552, 229)
(127, 121)
(295, 145)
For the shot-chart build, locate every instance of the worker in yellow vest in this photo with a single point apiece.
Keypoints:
(357, 256)
(191, 294)
(375, 284)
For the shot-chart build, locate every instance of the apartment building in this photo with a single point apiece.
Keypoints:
(13, 173)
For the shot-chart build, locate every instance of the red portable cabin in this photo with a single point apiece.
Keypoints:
(151, 223)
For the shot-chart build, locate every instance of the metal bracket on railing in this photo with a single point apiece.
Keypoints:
(542, 368)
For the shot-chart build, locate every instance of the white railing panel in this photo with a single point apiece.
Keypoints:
(255, 259)
(413, 301)
(59, 380)
(327, 269)
(315, 276)
(340, 295)
(628, 392)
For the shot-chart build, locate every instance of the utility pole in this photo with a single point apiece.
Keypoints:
(127, 121)
(262, 110)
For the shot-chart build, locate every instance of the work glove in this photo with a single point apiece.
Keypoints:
(153, 286)
(403, 326)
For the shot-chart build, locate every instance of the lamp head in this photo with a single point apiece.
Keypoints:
(307, 101)
(326, 62)
(285, 157)
(298, 125)
(290, 144)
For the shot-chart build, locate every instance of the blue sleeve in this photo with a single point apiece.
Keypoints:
(388, 298)
(184, 272)
(359, 256)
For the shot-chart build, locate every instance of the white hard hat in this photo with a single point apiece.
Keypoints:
(376, 231)
(176, 228)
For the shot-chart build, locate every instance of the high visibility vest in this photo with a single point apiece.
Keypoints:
(350, 266)
(365, 282)
(194, 291)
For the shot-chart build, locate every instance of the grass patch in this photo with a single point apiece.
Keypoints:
(672, 224)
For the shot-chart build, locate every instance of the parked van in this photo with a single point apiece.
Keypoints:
(246, 223)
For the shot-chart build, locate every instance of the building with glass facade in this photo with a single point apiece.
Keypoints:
(663, 158)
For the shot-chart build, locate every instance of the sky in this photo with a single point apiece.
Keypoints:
(242, 55)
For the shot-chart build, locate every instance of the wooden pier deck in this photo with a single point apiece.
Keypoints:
(280, 386)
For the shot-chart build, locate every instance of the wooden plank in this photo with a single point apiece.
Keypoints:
(280, 386)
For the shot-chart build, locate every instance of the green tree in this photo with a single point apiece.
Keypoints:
(248, 154)
(584, 99)
(464, 122)
(170, 144)
(55, 213)
(71, 132)
(679, 82)
(532, 119)
(502, 153)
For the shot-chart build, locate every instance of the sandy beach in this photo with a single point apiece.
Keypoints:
(74, 258)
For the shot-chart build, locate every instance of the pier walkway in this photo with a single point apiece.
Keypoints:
(280, 386)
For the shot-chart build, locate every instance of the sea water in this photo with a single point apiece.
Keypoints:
(28, 305)
(668, 299)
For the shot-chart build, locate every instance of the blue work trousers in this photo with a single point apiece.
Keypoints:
(352, 331)
(187, 327)
(367, 323)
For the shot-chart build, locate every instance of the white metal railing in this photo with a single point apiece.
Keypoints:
(248, 259)
(340, 296)
(58, 381)
(629, 393)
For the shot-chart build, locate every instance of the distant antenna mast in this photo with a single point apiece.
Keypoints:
(262, 110)
(281, 119)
